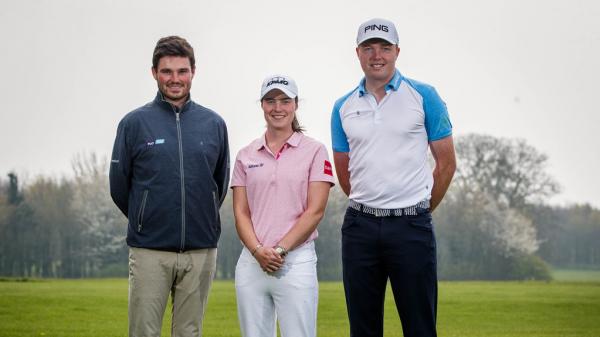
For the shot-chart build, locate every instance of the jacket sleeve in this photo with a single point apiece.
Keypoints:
(221, 174)
(120, 169)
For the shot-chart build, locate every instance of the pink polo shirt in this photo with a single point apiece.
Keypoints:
(277, 184)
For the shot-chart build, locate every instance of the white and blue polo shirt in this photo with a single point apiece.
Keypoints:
(388, 142)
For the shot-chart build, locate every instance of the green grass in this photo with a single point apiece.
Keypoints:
(86, 308)
(571, 275)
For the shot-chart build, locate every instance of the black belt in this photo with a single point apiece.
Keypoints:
(381, 212)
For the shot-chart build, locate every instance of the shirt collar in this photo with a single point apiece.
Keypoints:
(393, 84)
(293, 141)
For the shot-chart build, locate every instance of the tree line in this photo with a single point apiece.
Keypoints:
(493, 224)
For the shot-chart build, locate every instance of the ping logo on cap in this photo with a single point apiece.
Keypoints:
(280, 80)
(377, 27)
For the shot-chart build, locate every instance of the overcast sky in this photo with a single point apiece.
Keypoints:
(513, 68)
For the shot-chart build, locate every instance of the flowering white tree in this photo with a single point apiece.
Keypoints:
(104, 226)
(511, 231)
(484, 228)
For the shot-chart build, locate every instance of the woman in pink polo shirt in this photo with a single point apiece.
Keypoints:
(280, 184)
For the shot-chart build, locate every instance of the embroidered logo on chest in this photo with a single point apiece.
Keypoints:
(255, 165)
(155, 142)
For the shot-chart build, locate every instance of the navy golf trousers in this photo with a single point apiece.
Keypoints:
(401, 248)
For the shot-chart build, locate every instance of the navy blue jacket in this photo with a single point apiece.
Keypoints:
(169, 175)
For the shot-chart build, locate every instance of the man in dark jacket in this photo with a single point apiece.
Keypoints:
(169, 175)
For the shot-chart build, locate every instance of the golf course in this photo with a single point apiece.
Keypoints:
(98, 307)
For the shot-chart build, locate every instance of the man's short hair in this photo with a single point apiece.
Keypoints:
(173, 46)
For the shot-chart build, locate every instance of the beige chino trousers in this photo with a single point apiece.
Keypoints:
(153, 275)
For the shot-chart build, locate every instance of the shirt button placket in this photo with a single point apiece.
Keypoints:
(274, 173)
(377, 116)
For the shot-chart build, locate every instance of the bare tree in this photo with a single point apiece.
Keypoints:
(53, 228)
(509, 170)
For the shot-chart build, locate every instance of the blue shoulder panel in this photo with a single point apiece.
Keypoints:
(338, 136)
(437, 121)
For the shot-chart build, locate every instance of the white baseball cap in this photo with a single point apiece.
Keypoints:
(377, 29)
(281, 82)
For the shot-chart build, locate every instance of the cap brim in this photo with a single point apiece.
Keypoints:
(280, 88)
(376, 37)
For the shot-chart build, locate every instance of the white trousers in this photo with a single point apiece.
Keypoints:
(289, 295)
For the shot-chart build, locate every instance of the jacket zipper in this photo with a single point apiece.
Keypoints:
(179, 140)
(141, 212)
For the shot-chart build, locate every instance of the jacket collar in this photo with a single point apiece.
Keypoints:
(160, 100)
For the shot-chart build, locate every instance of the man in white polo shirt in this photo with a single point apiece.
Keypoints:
(381, 133)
